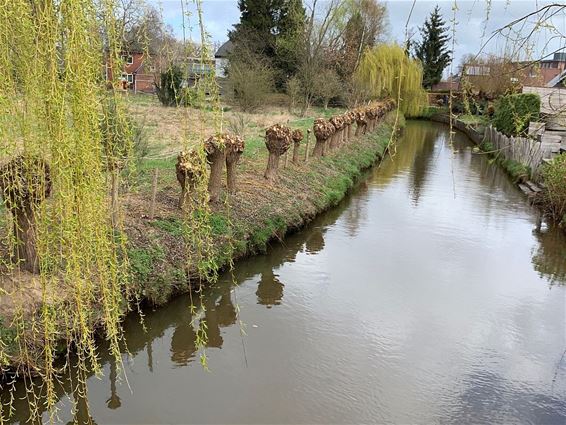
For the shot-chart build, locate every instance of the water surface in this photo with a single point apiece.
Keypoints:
(431, 294)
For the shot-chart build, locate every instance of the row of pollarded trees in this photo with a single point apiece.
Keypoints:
(224, 150)
(331, 134)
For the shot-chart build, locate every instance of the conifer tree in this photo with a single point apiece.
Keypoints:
(272, 29)
(257, 26)
(432, 49)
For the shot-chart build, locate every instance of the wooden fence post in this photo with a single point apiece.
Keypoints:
(307, 144)
(153, 193)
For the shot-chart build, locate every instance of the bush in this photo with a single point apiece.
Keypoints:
(252, 80)
(554, 175)
(294, 90)
(514, 112)
(327, 86)
(169, 90)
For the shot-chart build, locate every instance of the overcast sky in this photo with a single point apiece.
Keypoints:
(221, 15)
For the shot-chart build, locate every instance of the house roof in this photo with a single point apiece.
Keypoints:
(555, 82)
(224, 50)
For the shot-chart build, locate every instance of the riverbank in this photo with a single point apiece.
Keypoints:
(245, 222)
(240, 226)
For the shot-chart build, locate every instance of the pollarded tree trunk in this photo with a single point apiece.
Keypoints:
(296, 152)
(26, 239)
(231, 179)
(319, 147)
(338, 123)
(272, 166)
(216, 161)
(323, 130)
(277, 140)
(25, 182)
(332, 141)
(234, 148)
(188, 169)
(215, 148)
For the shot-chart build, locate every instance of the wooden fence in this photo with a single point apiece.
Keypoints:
(527, 151)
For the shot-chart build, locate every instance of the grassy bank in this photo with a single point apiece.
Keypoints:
(245, 222)
(241, 225)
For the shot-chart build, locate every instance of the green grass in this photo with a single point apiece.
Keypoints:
(275, 227)
(219, 224)
(518, 172)
(142, 261)
(173, 226)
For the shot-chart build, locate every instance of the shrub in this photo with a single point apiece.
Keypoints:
(514, 112)
(327, 86)
(252, 80)
(294, 90)
(554, 175)
(169, 89)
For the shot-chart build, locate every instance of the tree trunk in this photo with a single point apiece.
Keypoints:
(350, 128)
(216, 171)
(183, 196)
(231, 175)
(272, 166)
(319, 147)
(296, 153)
(25, 234)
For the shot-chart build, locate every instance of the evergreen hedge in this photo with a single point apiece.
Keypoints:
(514, 112)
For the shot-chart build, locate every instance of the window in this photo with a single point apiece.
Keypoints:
(477, 70)
(129, 78)
(128, 59)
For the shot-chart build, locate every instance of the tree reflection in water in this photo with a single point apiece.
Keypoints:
(549, 258)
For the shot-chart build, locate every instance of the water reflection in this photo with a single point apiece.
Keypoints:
(423, 157)
(549, 256)
(402, 304)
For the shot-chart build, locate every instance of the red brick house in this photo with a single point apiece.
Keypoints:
(137, 75)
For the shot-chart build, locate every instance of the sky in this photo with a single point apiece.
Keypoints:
(472, 29)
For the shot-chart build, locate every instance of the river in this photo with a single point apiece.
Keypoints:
(432, 293)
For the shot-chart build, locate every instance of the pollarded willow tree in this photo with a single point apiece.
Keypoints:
(277, 140)
(386, 71)
(323, 131)
(189, 170)
(234, 148)
(215, 148)
(338, 123)
(54, 182)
